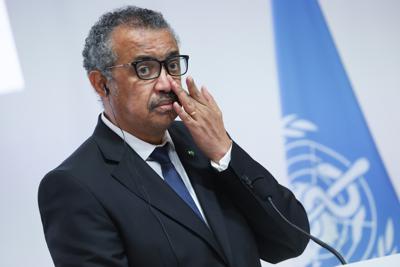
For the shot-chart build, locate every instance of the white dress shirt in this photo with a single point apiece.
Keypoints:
(144, 149)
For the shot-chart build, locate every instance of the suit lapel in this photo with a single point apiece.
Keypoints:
(206, 194)
(138, 177)
(202, 178)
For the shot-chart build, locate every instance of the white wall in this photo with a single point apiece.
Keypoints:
(57, 109)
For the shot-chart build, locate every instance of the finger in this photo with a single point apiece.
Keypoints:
(188, 103)
(183, 115)
(209, 98)
(177, 89)
(193, 91)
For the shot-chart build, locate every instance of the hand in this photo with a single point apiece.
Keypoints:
(201, 115)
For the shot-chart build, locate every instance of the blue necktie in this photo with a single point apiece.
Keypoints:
(172, 177)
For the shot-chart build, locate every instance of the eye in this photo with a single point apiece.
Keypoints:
(143, 70)
(147, 69)
(174, 66)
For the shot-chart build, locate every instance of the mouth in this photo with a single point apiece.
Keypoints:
(165, 104)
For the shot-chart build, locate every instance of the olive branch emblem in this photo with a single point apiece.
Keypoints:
(293, 127)
(386, 244)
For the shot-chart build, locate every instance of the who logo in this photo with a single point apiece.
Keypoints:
(339, 202)
(12, 80)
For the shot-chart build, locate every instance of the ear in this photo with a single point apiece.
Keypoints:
(98, 81)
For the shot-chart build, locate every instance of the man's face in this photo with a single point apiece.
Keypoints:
(141, 107)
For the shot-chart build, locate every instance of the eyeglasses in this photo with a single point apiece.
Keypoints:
(148, 69)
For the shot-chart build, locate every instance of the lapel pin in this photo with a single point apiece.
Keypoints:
(190, 153)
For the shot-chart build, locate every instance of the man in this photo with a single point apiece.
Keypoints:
(145, 190)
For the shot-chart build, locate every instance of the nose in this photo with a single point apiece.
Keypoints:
(162, 83)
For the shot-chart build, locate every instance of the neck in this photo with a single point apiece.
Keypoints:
(155, 138)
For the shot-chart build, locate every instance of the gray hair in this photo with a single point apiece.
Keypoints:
(98, 53)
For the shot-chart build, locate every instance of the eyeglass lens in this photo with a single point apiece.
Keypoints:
(151, 68)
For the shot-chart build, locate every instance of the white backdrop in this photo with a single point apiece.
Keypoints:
(56, 110)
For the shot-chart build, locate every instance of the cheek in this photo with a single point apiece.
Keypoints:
(138, 102)
(134, 96)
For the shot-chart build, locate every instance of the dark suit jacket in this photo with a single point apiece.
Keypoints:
(104, 206)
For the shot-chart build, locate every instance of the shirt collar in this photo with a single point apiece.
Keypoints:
(142, 148)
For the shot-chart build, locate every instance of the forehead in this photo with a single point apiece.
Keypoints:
(128, 43)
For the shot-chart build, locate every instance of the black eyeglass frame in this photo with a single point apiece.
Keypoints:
(162, 63)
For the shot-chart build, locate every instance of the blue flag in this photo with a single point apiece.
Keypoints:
(333, 165)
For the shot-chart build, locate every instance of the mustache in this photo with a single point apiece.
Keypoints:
(162, 99)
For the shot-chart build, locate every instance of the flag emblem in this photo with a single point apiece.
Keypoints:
(339, 202)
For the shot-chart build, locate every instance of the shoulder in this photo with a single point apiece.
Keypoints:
(82, 158)
(73, 170)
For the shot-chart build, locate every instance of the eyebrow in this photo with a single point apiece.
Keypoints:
(146, 57)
